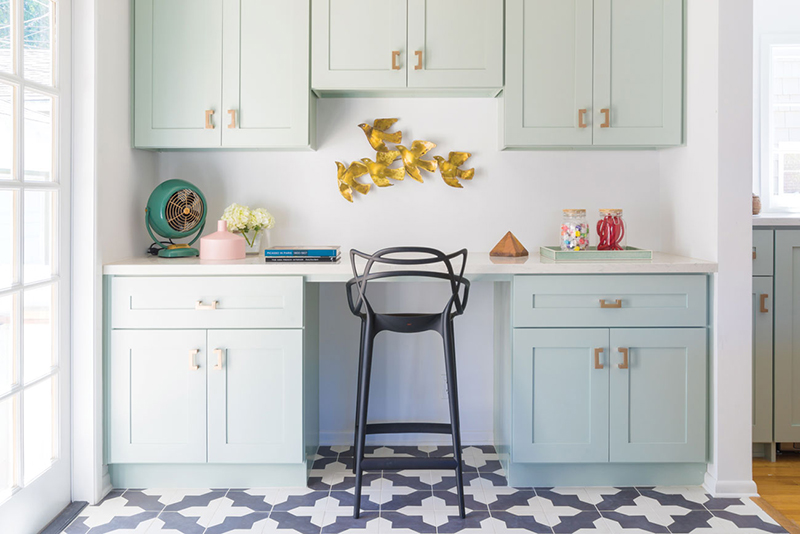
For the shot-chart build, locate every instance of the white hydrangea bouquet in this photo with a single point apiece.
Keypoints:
(249, 223)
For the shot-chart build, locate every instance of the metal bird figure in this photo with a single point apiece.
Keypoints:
(376, 134)
(379, 170)
(412, 158)
(450, 171)
(347, 179)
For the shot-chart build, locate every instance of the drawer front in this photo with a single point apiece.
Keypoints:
(763, 252)
(610, 300)
(207, 302)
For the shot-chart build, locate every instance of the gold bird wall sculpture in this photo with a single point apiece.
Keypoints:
(347, 179)
(450, 171)
(379, 170)
(376, 134)
(412, 158)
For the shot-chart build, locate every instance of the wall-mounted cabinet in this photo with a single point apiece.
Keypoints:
(368, 48)
(222, 74)
(593, 73)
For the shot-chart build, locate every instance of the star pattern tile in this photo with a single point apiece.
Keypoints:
(420, 502)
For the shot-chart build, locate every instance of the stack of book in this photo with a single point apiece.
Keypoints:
(312, 254)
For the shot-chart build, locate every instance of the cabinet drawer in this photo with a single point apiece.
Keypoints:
(763, 251)
(207, 302)
(610, 300)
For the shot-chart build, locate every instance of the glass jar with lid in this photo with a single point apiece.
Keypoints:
(611, 230)
(574, 230)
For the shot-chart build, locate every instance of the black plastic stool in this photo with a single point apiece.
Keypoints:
(423, 261)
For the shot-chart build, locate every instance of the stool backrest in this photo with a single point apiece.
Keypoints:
(407, 262)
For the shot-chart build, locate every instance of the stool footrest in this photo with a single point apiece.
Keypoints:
(409, 428)
(379, 464)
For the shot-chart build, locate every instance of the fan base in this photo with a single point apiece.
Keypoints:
(178, 252)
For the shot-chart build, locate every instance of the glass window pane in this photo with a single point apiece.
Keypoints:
(8, 343)
(39, 231)
(7, 145)
(8, 463)
(38, 138)
(38, 336)
(6, 38)
(9, 249)
(38, 423)
(38, 40)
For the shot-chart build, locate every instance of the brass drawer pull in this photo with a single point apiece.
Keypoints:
(218, 352)
(200, 306)
(418, 66)
(597, 364)
(764, 298)
(607, 122)
(209, 124)
(624, 364)
(232, 113)
(582, 118)
(395, 56)
(604, 304)
(192, 364)
(754, 253)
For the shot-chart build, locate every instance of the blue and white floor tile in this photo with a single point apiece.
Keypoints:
(420, 502)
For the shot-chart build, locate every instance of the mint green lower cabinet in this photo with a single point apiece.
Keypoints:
(255, 396)
(658, 403)
(560, 397)
(787, 325)
(157, 396)
(762, 359)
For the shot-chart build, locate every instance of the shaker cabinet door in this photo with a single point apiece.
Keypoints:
(455, 44)
(548, 93)
(255, 396)
(658, 400)
(157, 396)
(787, 336)
(560, 395)
(762, 359)
(178, 73)
(266, 92)
(359, 44)
(638, 72)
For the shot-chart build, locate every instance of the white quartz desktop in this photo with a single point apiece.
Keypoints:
(776, 219)
(479, 266)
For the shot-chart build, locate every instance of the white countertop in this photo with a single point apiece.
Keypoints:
(479, 267)
(776, 219)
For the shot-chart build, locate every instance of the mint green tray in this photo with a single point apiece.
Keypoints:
(592, 254)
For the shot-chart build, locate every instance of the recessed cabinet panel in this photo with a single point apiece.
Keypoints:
(762, 359)
(787, 341)
(178, 74)
(638, 72)
(763, 251)
(548, 93)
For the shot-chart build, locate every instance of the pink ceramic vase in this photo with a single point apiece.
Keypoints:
(222, 245)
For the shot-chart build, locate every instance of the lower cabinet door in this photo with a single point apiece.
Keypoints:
(560, 395)
(157, 396)
(762, 359)
(787, 339)
(658, 401)
(255, 396)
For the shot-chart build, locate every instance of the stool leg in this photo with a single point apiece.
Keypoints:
(358, 390)
(452, 387)
(363, 407)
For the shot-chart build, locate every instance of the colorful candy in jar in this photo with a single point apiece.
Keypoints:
(574, 230)
(611, 230)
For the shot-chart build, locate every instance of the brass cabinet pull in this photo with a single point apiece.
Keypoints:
(604, 304)
(200, 306)
(624, 364)
(218, 352)
(418, 66)
(582, 118)
(764, 297)
(192, 363)
(209, 124)
(607, 122)
(232, 113)
(395, 56)
(597, 364)
(754, 253)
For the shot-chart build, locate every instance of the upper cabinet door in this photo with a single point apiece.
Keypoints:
(455, 44)
(638, 72)
(178, 73)
(548, 92)
(358, 44)
(266, 95)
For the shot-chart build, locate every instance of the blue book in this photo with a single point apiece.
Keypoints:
(285, 252)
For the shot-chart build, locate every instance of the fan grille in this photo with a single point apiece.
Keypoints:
(184, 210)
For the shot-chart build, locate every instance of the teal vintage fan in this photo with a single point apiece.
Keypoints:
(175, 209)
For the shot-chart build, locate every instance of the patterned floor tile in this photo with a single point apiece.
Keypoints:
(175, 523)
(636, 519)
(287, 523)
(524, 520)
(249, 523)
(448, 523)
(557, 500)
(577, 522)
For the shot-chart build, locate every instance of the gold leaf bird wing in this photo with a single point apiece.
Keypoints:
(344, 189)
(356, 170)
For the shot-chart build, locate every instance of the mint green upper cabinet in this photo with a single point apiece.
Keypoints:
(455, 43)
(255, 396)
(658, 403)
(638, 72)
(548, 95)
(762, 359)
(560, 395)
(358, 44)
(178, 73)
(265, 89)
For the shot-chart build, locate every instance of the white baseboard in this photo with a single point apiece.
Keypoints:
(467, 438)
(729, 488)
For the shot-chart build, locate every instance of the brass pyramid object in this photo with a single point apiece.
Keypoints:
(509, 247)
